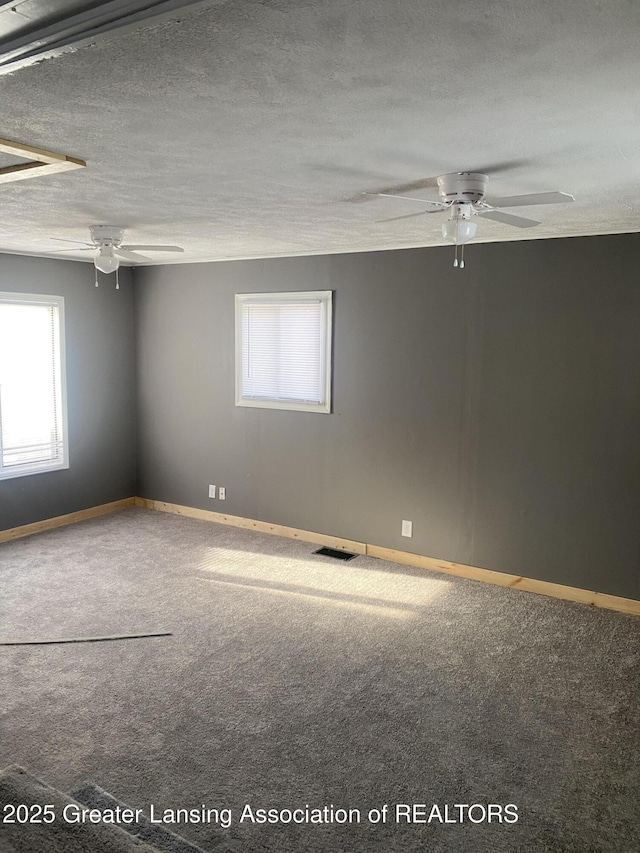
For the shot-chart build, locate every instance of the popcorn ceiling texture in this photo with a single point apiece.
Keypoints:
(246, 129)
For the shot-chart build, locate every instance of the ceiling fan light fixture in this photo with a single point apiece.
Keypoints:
(463, 195)
(105, 260)
(459, 231)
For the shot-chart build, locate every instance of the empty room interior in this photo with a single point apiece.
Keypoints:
(319, 426)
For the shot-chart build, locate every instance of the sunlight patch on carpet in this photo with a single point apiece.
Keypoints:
(323, 599)
(391, 594)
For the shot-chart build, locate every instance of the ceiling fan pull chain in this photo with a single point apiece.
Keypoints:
(117, 281)
(462, 257)
(96, 271)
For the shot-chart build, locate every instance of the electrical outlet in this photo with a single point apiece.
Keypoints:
(212, 491)
(407, 528)
(222, 493)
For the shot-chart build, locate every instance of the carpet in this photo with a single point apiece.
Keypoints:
(18, 787)
(162, 839)
(294, 680)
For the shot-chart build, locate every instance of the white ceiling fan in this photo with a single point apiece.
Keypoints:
(106, 244)
(463, 196)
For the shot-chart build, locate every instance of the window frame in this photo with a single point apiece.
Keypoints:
(325, 297)
(28, 468)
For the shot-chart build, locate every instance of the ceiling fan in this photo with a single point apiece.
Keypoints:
(106, 244)
(463, 196)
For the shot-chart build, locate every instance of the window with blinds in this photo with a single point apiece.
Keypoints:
(33, 435)
(283, 350)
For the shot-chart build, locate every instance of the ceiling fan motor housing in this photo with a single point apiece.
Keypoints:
(106, 235)
(463, 187)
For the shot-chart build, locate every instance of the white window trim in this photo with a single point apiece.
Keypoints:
(46, 465)
(326, 299)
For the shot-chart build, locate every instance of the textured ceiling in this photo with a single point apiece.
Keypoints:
(250, 129)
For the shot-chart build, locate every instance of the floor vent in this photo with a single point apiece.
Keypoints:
(333, 552)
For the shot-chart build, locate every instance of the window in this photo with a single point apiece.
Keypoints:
(283, 350)
(33, 434)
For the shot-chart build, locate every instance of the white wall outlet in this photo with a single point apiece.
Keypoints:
(407, 528)
(212, 491)
(222, 493)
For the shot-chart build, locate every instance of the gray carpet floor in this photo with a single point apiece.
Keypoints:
(37, 835)
(292, 679)
(161, 839)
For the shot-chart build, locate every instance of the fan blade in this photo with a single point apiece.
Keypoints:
(130, 256)
(509, 219)
(422, 184)
(153, 248)
(78, 242)
(409, 215)
(533, 198)
(410, 198)
(72, 249)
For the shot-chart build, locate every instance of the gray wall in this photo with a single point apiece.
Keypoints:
(100, 392)
(497, 408)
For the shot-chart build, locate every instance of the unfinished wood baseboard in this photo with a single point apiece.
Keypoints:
(251, 524)
(63, 520)
(555, 590)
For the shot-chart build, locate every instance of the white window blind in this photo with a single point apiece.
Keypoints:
(32, 392)
(283, 350)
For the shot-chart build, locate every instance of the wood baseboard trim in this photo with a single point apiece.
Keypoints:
(568, 593)
(555, 590)
(252, 524)
(63, 520)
